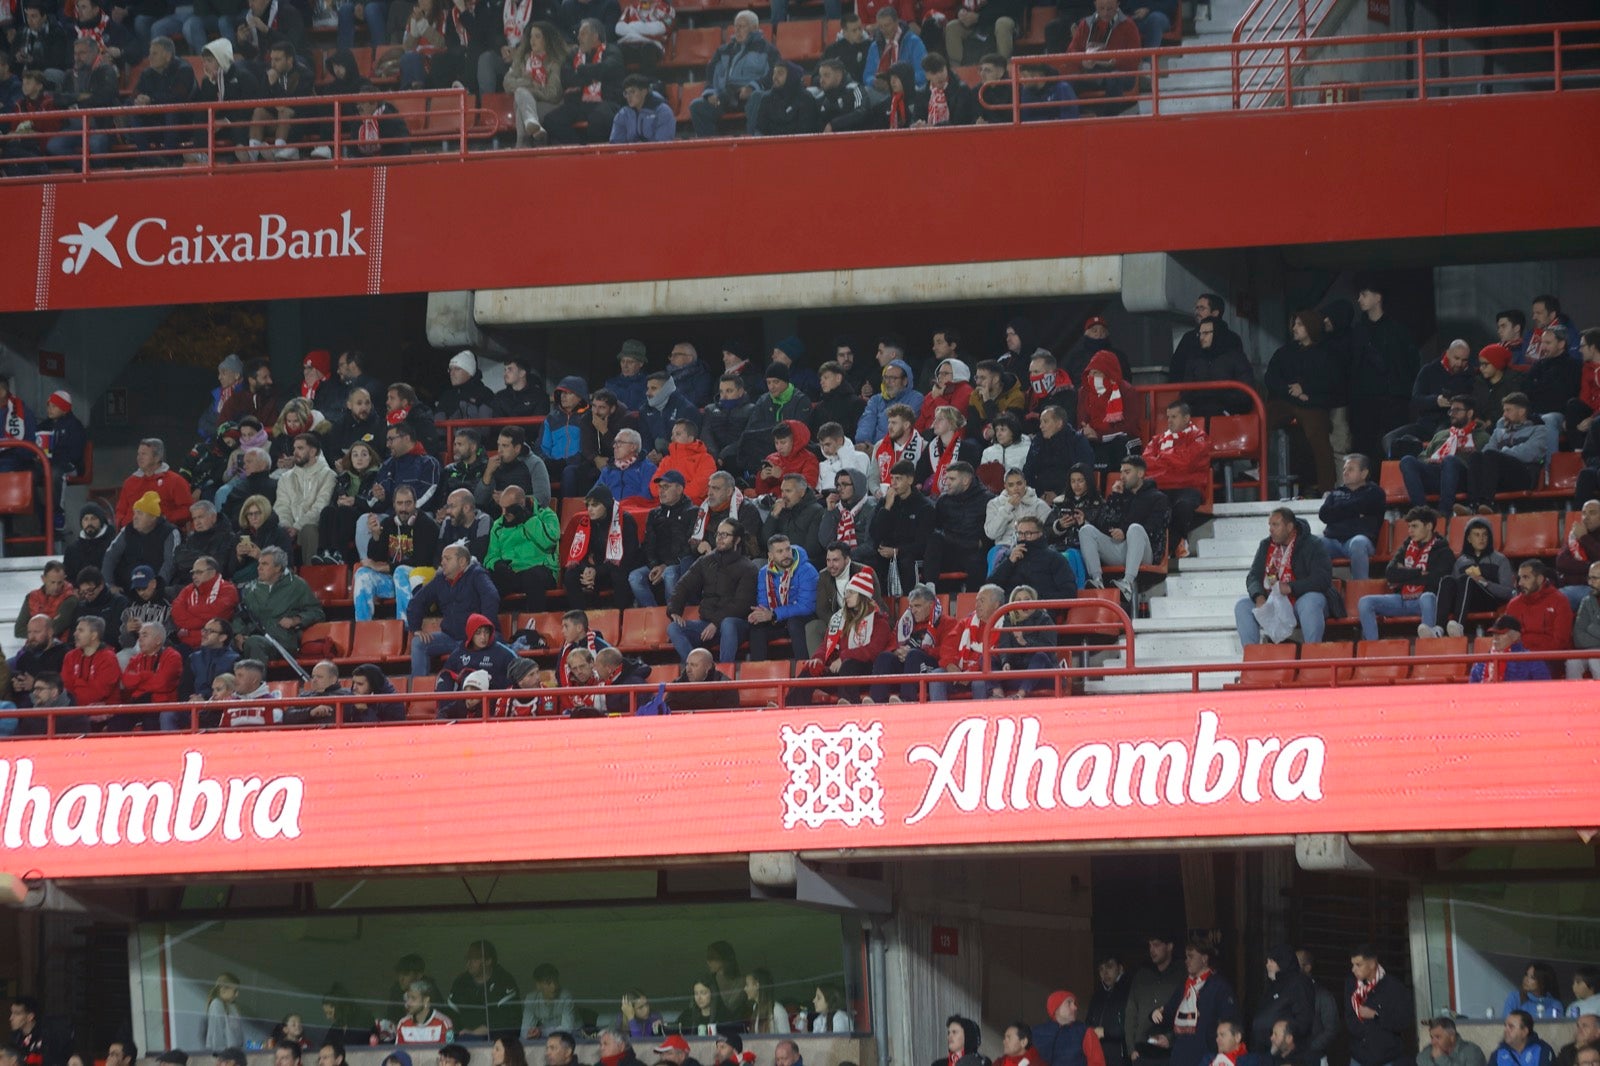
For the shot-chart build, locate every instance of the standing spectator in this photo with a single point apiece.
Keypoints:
(92, 675)
(1178, 460)
(1217, 355)
(400, 556)
(1208, 307)
(1133, 529)
(1512, 459)
(602, 552)
(725, 581)
(277, 603)
(208, 597)
(786, 599)
(734, 73)
(1063, 1040)
(666, 556)
(1481, 580)
(1192, 1012)
(1385, 364)
(55, 598)
(591, 88)
(522, 548)
(1291, 556)
(153, 475)
(1377, 1014)
(494, 62)
(1289, 996)
(959, 540)
(1543, 612)
(1325, 1029)
(1440, 468)
(1300, 384)
(901, 528)
(645, 116)
(164, 80)
(1432, 393)
(1108, 1008)
(1352, 517)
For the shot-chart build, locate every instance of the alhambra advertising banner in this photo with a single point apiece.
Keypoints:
(1354, 760)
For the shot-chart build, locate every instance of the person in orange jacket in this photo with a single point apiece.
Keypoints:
(687, 455)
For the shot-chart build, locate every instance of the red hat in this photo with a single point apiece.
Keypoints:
(1093, 321)
(673, 1043)
(863, 583)
(1057, 998)
(62, 399)
(1496, 355)
(319, 359)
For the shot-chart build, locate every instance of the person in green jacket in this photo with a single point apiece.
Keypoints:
(276, 603)
(522, 547)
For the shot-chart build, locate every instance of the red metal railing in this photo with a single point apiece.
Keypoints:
(48, 537)
(1273, 22)
(451, 425)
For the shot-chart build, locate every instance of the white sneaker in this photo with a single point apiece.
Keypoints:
(1425, 630)
(1455, 629)
(322, 151)
(286, 153)
(324, 18)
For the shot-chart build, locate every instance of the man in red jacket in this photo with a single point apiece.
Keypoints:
(92, 675)
(154, 672)
(1107, 30)
(1178, 460)
(1544, 612)
(153, 475)
(208, 596)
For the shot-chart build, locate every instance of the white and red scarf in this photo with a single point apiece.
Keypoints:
(96, 32)
(703, 522)
(969, 645)
(462, 27)
(367, 137)
(888, 52)
(271, 21)
(838, 639)
(1280, 562)
(940, 454)
(591, 91)
(1416, 558)
(1113, 393)
(778, 584)
(514, 16)
(591, 640)
(846, 532)
(889, 453)
(308, 389)
(1573, 544)
(938, 107)
(1457, 441)
(1187, 1018)
(15, 424)
(1042, 385)
(584, 533)
(921, 634)
(1363, 989)
(535, 67)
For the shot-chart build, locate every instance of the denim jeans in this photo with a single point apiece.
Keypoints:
(939, 691)
(1310, 608)
(198, 29)
(1152, 28)
(426, 647)
(685, 637)
(1393, 605)
(1421, 478)
(643, 594)
(377, 12)
(71, 143)
(1358, 549)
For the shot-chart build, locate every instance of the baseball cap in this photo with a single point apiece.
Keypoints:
(142, 576)
(673, 1043)
(674, 476)
(1506, 624)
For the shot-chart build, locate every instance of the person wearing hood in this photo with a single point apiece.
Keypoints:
(663, 407)
(791, 440)
(1063, 1040)
(1288, 996)
(602, 553)
(688, 458)
(1436, 384)
(153, 475)
(786, 599)
(1300, 382)
(224, 80)
(460, 589)
(522, 548)
(95, 534)
(1290, 554)
(149, 540)
(1217, 354)
(958, 541)
(734, 73)
(690, 375)
(790, 352)
(561, 436)
(1108, 409)
(1480, 580)
(481, 650)
(666, 554)
(796, 515)
(952, 387)
(1003, 511)
(847, 515)
(1021, 341)
(782, 402)
(874, 423)
(645, 117)
(786, 108)
(838, 455)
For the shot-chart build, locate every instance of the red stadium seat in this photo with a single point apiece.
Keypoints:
(379, 641)
(1267, 653)
(692, 49)
(548, 625)
(330, 583)
(1323, 675)
(337, 634)
(1561, 478)
(422, 710)
(1112, 622)
(1425, 672)
(16, 492)
(800, 42)
(1532, 535)
(760, 695)
(1380, 649)
(607, 622)
(1393, 485)
(644, 629)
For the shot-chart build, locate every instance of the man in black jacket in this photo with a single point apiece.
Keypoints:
(1384, 364)
(97, 600)
(850, 49)
(591, 83)
(148, 540)
(1218, 355)
(796, 514)
(726, 419)
(946, 101)
(666, 542)
(836, 92)
(524, 395)
(288, 77)
(1031, 561)
(1377, 1011)
(1290, 554)
(1056, 450)
(901, 527)
(725, 581)
(1108, 1008)
(698, 667)
(1436, 383)
(957, 541)
(1131, 529)
(164, 80)
(1352, 516)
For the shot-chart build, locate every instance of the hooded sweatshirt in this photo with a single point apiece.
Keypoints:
(1290, 996)
(561, 436)
(788, 108)
(956, 394)
(694, 462)
(800, 460)
(1106, 402)
(874, 424)
(1495, 570)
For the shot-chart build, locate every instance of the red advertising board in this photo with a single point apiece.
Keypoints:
(1153, 767)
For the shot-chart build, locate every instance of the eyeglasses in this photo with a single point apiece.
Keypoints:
(1026, 535)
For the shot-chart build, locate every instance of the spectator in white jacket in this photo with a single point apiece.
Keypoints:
(303, 491)
(1011, 446)
(837, 455)
(1016, 502)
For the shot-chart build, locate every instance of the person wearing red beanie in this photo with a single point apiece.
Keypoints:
(316, 368)
(1496, 380)
(1064, 1040)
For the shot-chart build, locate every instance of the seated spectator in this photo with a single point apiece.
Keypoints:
(1544, 614)
(512, 463)
(97, 600)
(965, 653)
(1413, 574)
(857, 634)
(356, 422)
(461, 588)
(533, 78)
(247, 682)
(643, 32)
(666, 555)
(1046, 96)
(1432, 394)
(42, 41)
(591, 89)
(838, 95)
(786, 599)
(1580, 412)
(787, 108)
(612, 669)
(481, 650)
(55, 598)
(1003, 511)
(922, 636)
(735, 72)
(945, 101)
(896, 392)
(791, 455)
(561, 436)
(303, 491)
(1553, 379)
(1049, 386)
(1352, 516)
(849, 48)
(952, 387)
(736, 360)
(725, 420)
(1055, 451)
(602, 553)
(724, 501)
(400, 557)
(28, 138)
(1506, 637)
(994, 392)
(524, 395)
(1511, 461)
(1586, 629)
(959, 539)
(92, 82)
(1026, 651)
(1481, 579)
(891, 107)
(521, 557)
(408, 464)
(258, 531)
(693, 380)
(223, 78)
(324, 682)
(576, 634)
(254, 397)
(208, 597)
(901, 528)
(164, 80)
(288, 77)
(662, 407)
(628, 475)
(467, 395)
(1581, 549)
(724, 579)
(148, 540)
(1133, 530)
(352, 498)
(249, 473)
(1107, 30)
(847, 514)
(93, 676)
(465, 524)
(1546, 312)
(468, 464)
(522, 675)
(1178, 460)
(41, 655)
(645, 116)
(278, 604)
(1011, 446)
(837, 453)
(216, 655)
(154, 671)
(1495, 381)
(1440, 468)
(1292, 557)
(1508, 327)
(701, 666)
(1031, 561)
(782, 402)
(832, 581)
(797, 515)
(893, 42)
(945, 447)
(1078, 507)
(901, 443)
(1300, 387)
(147, 602)
(153, 475)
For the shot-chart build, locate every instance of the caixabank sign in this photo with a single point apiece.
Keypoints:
(976, 773)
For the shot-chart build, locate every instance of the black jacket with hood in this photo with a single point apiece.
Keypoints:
(788, 108)
(1290, 996)
(89, 551)
(1313, 570)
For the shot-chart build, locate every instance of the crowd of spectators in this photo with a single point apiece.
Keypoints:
(578, 71)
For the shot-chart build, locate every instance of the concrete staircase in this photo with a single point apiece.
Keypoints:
(19, 575)
(1191, 611)
(1192, 74)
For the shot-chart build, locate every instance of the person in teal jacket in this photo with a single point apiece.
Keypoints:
(522, 548)
(560, 436)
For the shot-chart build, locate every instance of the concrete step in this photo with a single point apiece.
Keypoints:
(1191, 607)
(1136, 683)
(1262, 508)
(1188, 645)
(1227, 583)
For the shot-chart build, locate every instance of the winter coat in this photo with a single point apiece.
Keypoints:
(1179, 460)
(604, 73)
(526, 544)
(651, 122)
(658, 414)
(874, 423)
(1214, 1002)
(560, 437)
(962, 517)
(694, 463)
(153, 678)
(1580, 551)
(1382, 1039)
(303, 491)
(108, 607)
(132, 549)
(196, 605)
(788, 109)
(666, 533)
(1385, 363)
(1347, 513)
(1313, 570)
(1307, 366)
(68, 439)
(170, 486)
(89, 551)
(1223, 361)
(1000, 520)
(960, 101)
(220, 542)
(1494, 568)
(634, 483)
(842, 101)
(1434, 380)
(1530, 443)
(828, 528)
(800, 460)
(1586, 625)
(472, 592)
(270, 534)
(912, 52)
(736, 66)
(288, 596)
(1290, 996)
(1148, 507)
(1046, 569)
(1108, 1007)
(725, 582)
(981, 410)
(905, 526)
(756, 443)
(801, 601)
(92, 680)
(800, 523)
(416, 469)
(517, 77)
(205, 664)
(1546, 618)
(1051, 459)
(1480, 437)
(722, 428)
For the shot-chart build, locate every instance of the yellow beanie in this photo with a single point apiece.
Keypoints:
(149, 503)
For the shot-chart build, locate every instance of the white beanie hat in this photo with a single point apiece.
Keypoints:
(464, 361)
(478, 679)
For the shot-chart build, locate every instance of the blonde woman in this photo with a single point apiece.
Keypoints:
(224, 1024)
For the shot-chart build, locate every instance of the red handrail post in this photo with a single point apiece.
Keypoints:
(1288, 76)
(338, 131)
(461, 108)
(1016, 95)
(1556, 43)
(1422, 68)
(1155, 81)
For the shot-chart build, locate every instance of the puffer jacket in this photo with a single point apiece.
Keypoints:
(560, 437)
(725, 581)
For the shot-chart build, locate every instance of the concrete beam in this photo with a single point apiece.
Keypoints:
(1328, 851)
(945, 283)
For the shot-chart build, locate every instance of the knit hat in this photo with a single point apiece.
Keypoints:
(1496, 355)
(233, 364)
(320, 359)
(1093, 321)
(149, 503)
(731, 1038)
(62, 399)
(1053, 1004)
(777, 370)
(632, 349)
(142, 576)
(520, 669)
(477, 680)
(864, 583)
(673, 1043)
(401, 1057)
(793, 347)
(464, 361)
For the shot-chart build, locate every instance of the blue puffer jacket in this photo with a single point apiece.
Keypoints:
(629, 484)
(1515, 670)
(802, 598)
(471, 593)
(560, 437)
(652, 122)
(737, 65)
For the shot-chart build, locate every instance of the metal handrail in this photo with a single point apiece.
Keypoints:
(49, 535)
(450, 425)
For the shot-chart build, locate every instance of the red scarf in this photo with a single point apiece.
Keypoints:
(534, 65)
(888, 54)
(463, 29)
(591, 91)
(969, 646)
(591, 640)
(940, 454)
(938, 107)
(778, 583)
(1458, 442)
(1280, 562)
(1113, 415)
(1416, 559)
(897, 111)
(1363, 989)
(703, 523)
(399, 415)
(514, 18)
(578, 550)
(1573, 545)
(846, 532)
(308, 390)
(1187, 1019)
(1042, 385)
(367, 137)
(888, 453)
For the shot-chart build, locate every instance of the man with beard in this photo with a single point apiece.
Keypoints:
(358, 421)
(95, 534)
